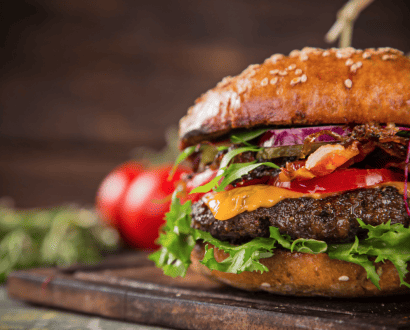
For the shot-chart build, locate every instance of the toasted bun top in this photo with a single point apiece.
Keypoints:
(308, 87)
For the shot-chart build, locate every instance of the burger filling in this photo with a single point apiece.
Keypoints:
(332, 189)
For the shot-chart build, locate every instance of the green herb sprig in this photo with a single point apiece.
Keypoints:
(60, 236)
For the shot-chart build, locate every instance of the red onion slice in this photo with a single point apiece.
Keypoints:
(293, 136)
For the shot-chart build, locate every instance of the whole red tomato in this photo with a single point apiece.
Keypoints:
(144, 205)
(112, 189)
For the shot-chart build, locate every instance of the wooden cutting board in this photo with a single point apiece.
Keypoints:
(130, 288)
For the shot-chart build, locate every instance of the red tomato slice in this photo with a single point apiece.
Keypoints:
(342, 180)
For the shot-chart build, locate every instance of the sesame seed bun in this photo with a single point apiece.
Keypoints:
(302, 274)
(308, 87)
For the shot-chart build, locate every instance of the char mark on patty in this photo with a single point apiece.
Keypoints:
(331, 219)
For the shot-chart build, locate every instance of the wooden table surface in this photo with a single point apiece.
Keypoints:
(16, 315)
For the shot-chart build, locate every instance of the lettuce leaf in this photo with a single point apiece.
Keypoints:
(181, 157)
(208, 186)
(241, 258)
(176, 240)
(244, 137)
(234, 152)
(236, 171)
(230, 174)
(403, 133)
(384, 242)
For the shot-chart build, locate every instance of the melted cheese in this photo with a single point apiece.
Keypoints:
(227, 204)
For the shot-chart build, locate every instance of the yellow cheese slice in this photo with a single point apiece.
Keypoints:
(227, 204)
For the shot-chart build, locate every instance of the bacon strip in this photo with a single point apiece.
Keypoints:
(323, 161)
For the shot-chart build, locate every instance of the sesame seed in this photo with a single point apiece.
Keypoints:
(309, 50)
(252, 67)
(325, 53)
(303, 57)
(303, 78)
(359, 64)
(273, 81)
(345, 52)
(366, 55)
(279, 91)
(349, 62)
(298, 72)
(343, 278)
(264, 81)
(265, 285)
(283, 73)
(292, 67)
(276, 71)
(353, 68)
(242, 88)
(274, 58)
(225, 81)
(295, 81)
(348, 83)
(383, 50)
(294, 53)
(315, 51)
(388, 57)
(396, 51)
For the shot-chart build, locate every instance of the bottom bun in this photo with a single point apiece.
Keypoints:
(302, 274)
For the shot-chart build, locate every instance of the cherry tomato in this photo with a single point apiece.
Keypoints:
(145, 203)
(341, 180)
(112, 189)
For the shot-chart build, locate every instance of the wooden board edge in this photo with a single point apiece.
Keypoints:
(66, 293)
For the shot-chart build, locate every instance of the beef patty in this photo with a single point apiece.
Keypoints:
(331, 219)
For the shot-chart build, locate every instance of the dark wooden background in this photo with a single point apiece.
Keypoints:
(83, 82)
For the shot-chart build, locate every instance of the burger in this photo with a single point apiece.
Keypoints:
(299, 182)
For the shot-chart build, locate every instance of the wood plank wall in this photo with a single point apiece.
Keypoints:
(83, 82)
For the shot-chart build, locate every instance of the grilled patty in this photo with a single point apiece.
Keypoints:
(331, 219)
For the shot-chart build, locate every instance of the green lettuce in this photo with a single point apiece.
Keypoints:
(181, 157)
(246, 136)
(230, 174)
(176, 240)
(384, 242)
(236, 171)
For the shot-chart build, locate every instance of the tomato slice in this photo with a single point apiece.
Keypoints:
(337, 181)
(341, 180)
